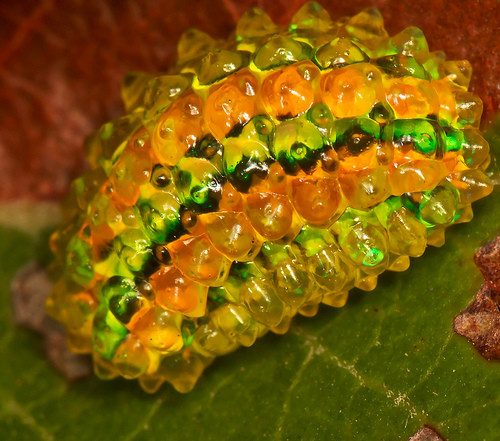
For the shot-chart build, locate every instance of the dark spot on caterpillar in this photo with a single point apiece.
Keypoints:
(102, 250)
(150, 266)
(160, 177)
(401, 65)
(382, 113)
(235, 131)
(242, 176)
(284, 117)
(301, 158)
(206, 148)
(161, 253)
(124, 307)
(354, 141)
(188, 219)
(329, 160)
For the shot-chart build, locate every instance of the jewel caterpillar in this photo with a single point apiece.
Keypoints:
(264, 175)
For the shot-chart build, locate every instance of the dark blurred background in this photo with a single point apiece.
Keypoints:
(61, 64)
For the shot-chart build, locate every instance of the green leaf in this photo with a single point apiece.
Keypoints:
(376, 369)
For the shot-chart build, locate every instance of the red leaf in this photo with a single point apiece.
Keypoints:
(61, 64)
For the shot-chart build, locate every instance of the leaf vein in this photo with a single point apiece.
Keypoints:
(144, 425)
(285, 410)
(14, 408)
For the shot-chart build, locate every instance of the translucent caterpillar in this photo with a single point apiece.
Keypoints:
(262, 176)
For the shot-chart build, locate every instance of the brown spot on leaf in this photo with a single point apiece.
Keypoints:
(426, 433)
(488, 261)
(30, 287)
(72, 366)
(480, 322)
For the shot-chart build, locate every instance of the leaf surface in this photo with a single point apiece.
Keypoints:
(377, 369)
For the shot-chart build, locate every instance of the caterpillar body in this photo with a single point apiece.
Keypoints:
(262, 176)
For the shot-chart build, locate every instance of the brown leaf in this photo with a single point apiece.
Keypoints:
(480, 322)
(488, 261)
(426, 433)
(30, 287)
(61, 64)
